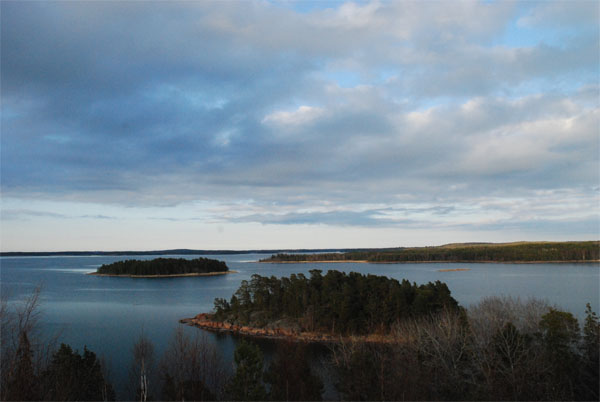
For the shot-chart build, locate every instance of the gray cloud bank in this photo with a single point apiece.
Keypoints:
(151, 103)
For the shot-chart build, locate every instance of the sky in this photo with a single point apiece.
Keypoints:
(147, 125)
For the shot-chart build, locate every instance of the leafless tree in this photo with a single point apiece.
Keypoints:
(492, 313)
(19, 324)
(441, 343)
(142, 368)
(506, 356)
(193, 366)
(21, 342)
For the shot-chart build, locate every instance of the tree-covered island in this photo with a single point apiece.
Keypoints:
(576, 251)
(323, 307)
(164, 267)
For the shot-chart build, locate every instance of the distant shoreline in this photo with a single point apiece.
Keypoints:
(164, 252)
(167, 276)
(433, 262)
(317, 262)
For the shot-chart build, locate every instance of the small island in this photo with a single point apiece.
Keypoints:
(164, 268)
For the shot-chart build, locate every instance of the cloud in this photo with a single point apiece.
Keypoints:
(562, 13)
(144, 104)
(27, 214)
(301, 116)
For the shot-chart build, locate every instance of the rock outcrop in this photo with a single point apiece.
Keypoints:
(205, 321)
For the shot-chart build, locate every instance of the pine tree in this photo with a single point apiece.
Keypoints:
(22, 383)
(590, 349)
(246, 384)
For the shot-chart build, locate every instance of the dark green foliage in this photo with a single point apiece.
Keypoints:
(68, 377)
(335, 302)
(22, 384)
(163, 266)
(290, 375)
(74, 377)
(443, 357)
(589, 387)
(246, 384)
(358, 374)
(560, 330)
(186, 391)
(550, 251)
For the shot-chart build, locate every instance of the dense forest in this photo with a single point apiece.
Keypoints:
(336, 302)
(498, 349)
(510, 252)
(504, 349)
(163, 266)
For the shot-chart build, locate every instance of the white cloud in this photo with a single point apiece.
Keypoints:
(302, 115)
(313, 116)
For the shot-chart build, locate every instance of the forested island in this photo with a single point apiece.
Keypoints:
(327, 305)
(587, 251)
(164, 267)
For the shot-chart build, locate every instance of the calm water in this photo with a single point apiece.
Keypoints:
(108, 314)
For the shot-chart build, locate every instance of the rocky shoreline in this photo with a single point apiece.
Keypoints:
(205, 321)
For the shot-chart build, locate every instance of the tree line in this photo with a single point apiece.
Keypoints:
(546, 251)
(163, 266)
(503, 349)
(499, 349)
(336, 302)
(34, 369)
(191, 368)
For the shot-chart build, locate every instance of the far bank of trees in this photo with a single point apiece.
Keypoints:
(519, 252)
(163, 266)
(336, 302)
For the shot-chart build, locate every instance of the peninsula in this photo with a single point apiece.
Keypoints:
(324, 308)
(164, 268)
(519, 252)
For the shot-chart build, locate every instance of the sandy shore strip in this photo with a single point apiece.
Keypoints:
(166, 276)
(316, 262)
(454, 269)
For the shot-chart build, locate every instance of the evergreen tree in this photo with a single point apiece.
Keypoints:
(590, 349)
(74, 377)
(22, 382)
(290, 376)
(560, 338)
(246, 384)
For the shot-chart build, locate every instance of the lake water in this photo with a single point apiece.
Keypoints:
(107, 314)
